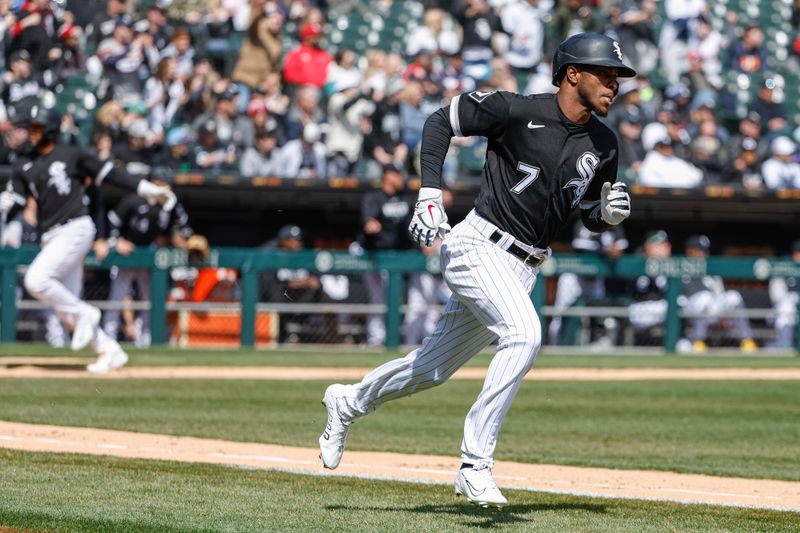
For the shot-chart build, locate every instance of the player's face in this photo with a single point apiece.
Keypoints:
(597, 88)
(35, 133)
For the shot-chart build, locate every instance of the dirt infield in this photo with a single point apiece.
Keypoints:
(72, 367)
(639, 484)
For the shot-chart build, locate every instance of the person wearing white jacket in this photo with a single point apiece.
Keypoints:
(661, 168)
(346, 108)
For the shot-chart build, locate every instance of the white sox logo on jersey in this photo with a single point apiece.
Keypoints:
(586, 165)
(58, 178)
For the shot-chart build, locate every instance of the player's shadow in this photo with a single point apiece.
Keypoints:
(47, 366)
(477, 517)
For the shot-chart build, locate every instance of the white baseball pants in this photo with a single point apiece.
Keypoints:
(55, 277)
(122, 280)
(491, 301)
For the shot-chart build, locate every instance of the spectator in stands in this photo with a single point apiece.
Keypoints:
(133, 223)
(744, 168)
(217, 26)
(678, 35)
(750, 128)
(636, 29)
(347, 108)
(231, 127)
(163, 95)
(104, 22)
(343, 66)
(781, 171)
(199, 87)
(35, 32)
(15, 135)
(303, 111)
(571, 17)
(71, 61)
(287, 285)
(20, 87)
(631, 150)
(523, 21)
(260, 54)
(479, 25)
(783, 295)
(158, 26)
(434, 36)
(136, 154)
(263, 159)
(769, 108)
(385, 214)
(183, 52)
(707, 300)
(709, 153)
(661, 167)
(308, 63)
(124, 55)
(277, 102)
(571, 287)
(304, 158)
(747, 54)
(626, 103)
(210, 153)
(707, 53)
(385, 141)
(412, 114)
(177, 157)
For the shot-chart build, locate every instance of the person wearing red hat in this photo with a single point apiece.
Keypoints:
(308, 63)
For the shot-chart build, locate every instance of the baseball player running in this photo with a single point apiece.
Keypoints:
(546, 155)
(54, 175)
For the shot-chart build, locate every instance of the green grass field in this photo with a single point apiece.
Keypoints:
(728, 428)
(59, 492)
(367, 358)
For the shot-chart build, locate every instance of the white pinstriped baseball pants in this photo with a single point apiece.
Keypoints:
(491, 300)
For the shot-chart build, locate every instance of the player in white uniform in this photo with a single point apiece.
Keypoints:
(55, 176)
(546, 155)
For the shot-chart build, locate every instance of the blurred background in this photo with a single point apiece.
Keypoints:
(296, 125)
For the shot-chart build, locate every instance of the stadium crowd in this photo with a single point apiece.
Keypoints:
(266, 88)
(262, 87)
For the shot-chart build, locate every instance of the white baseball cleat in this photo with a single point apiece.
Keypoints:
(106, 362)
(85, 328)
(477, 485)
(331, 442)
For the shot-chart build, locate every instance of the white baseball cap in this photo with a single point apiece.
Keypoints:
(782, 146)
(653, 134)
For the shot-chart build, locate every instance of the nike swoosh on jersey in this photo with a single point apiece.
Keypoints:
(532, 126)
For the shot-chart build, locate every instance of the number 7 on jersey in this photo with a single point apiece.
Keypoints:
(532, 173)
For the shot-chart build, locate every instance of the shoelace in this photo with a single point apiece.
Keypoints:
(485, 474)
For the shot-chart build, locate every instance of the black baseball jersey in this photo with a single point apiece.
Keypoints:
(394, 213)
(57, 181)
(540, 165)
(141, 223)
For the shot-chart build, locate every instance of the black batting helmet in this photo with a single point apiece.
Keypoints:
(589, 49)
(49, 119)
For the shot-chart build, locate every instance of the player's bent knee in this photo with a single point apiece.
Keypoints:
(35, 282)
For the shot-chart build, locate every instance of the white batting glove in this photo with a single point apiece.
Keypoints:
(160, 194)
(615, 203)
(8, 199)
(429, 218)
